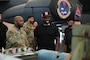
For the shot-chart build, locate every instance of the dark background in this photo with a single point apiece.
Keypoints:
(85, 18)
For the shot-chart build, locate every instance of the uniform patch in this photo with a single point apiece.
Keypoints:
(63, 8)
(78, 12)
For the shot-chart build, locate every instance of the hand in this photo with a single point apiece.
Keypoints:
(64, 47)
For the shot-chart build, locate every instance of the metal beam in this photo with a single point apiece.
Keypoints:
(4, 0)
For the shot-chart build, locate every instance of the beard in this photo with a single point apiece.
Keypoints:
(19, 26)
(70, 25)
(32, 22)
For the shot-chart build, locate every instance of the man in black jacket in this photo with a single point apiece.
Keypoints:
(3, 30)
(68, 36)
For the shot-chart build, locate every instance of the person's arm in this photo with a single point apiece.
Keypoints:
(10, 38)
(57, 37)
(35, 43)
(63, 44)
(27, 28)
(25, 38)
(35, 38)
(57, 44)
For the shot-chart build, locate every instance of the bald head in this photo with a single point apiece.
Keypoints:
(18, 21)
(18, 18)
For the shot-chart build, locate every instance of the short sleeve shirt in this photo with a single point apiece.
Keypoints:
(46, 35)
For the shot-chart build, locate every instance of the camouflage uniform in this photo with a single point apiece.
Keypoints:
(27, 27)
(16, 38)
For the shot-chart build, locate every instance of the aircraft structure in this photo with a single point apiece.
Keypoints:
(61, 10)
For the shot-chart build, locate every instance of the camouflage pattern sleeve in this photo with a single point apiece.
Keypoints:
(26, 42)
(24, 27)
(11, 38)
(27, 27)
(25, 38)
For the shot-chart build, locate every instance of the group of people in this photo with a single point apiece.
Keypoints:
(18, 35)
(30, 34)
(34, 35)
(22, 34)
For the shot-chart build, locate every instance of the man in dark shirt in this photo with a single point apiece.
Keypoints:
(46, 33)
(68, 35)
(3, 30)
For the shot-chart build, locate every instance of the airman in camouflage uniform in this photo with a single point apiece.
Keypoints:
(29, 29)
(16, 37)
